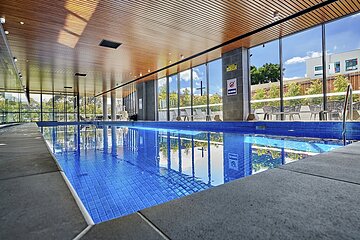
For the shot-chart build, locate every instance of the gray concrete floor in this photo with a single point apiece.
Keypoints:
(35, 202)
(314, 198)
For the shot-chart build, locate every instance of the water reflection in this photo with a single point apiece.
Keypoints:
(119, 170)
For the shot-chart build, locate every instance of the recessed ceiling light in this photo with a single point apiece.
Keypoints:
(15, 59)
(140, 74)
(22, 23)
(182, 56)
(2, 20)
(170, 61)
(169, 53)
(6, 32)
(149, 70)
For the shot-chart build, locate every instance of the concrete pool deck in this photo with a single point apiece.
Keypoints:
(315, 198)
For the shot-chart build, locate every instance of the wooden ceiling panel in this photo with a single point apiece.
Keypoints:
(60, 38)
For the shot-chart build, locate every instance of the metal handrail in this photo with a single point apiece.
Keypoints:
(348, 99)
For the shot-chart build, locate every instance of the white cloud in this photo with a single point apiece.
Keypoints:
(195, 75)
(185, 75)
(291, 78)
(162, 82)
(356, 15)
(296, 60)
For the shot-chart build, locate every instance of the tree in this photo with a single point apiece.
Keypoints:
(314, 88)
(260, 94)
(214, 99)
(274, 92)
(185, 98)
(340, 85)
(269, 72)
(293, 89)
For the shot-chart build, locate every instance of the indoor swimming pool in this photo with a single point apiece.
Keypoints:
(118, 170)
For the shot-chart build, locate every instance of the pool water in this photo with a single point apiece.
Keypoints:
(118, 170)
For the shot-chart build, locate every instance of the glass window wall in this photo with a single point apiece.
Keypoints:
(162, 99)
(265, 80)
(342, 57)
(303, 70)
(215, 90)
(173, 97)
(185, 95)
(200, 93)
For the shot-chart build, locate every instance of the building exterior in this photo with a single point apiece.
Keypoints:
(338, 63)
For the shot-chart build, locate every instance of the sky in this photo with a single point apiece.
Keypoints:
(199, 75)
(341, 36)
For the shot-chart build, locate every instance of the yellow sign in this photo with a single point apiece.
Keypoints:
(231, 67)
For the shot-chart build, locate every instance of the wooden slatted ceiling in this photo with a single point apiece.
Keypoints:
(149, 31)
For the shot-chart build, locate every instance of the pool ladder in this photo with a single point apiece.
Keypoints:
(348, 101)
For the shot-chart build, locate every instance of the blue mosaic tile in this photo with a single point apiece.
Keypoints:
(115, 181)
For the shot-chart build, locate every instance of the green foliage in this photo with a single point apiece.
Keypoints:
(262, 93)
(314, 88)
(274, 92)
(340, 85)
(265, 159)
(259, 95)
(162, 96)
(293, 89)
(295, 156)
(269, 72)
(185, 98)
(215, 98)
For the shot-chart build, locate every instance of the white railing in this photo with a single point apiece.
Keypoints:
(348, 99)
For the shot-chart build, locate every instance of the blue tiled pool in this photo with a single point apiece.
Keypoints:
(119, 170)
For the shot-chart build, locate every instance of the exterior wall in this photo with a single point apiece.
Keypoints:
(331, 59)
(236, 107)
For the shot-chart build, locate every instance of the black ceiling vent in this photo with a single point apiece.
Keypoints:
(67, 87)
(80, 74)
(109, 44)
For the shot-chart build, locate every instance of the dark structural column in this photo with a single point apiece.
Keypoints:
(146, 97)
(113, 105)
(235, 66)
(105, 111)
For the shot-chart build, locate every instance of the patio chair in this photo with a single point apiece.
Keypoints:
(356, 105)
(173, 115)
(294, 111)
(188, 114)
(199, 115)
(314, 111)
(268, 111)
(334, 109)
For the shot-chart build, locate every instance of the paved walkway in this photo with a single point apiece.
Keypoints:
(315, 198)
(35, 202)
